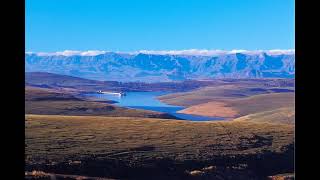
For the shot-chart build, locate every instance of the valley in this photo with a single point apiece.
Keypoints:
(70, 134)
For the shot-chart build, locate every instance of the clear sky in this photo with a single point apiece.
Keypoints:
(130, 25)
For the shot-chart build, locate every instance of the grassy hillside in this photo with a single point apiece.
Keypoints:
(281, 115)
(53, 102)
(278, 104)
(243, 106)
(119, 147)
(57, 81)
(40, 94)
(50, 79)
(264, 102)
(223, 92)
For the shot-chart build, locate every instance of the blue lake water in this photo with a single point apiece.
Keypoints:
(149, 101)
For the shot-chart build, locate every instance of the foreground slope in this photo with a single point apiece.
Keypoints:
(137, 148)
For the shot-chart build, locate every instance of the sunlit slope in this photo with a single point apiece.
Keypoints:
(67, 136)
(222, 93)
(281, 115)
(243, 106)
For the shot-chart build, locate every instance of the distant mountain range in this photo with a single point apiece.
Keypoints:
(124, 67)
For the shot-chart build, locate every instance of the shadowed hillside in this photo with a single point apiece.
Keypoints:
(74, 84)
(48, 101)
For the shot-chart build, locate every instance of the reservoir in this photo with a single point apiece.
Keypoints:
(149, 101)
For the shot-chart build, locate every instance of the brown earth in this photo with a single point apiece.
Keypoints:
(215, 109)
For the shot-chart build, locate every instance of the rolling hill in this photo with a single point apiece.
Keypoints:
(244, 106)
(232, 90)
(285, 115)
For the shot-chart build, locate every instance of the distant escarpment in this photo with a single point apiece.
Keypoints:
(155, 68)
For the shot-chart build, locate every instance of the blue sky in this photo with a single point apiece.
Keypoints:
(130, 25)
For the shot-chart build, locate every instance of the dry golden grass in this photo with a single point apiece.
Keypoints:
(284, 115)
(218, 93)
(263, 102)
(56, 137)
(202, 95)
(243, 106)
